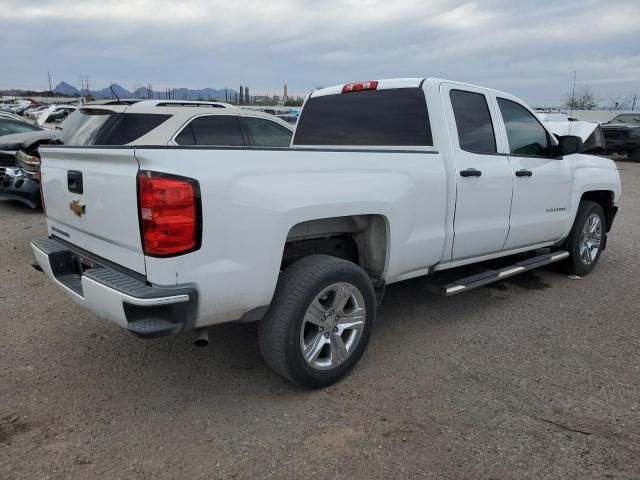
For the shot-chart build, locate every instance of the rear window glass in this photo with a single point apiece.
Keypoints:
(129, 127)
(394, 117)
(83, 126)
(473, 120)
(215, 130)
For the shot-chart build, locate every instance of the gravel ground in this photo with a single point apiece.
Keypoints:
(534, 377)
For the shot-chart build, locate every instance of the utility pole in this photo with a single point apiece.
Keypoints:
(633, 105)
(49, 75)
(84, 85)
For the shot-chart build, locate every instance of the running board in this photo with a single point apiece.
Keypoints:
(489, 275)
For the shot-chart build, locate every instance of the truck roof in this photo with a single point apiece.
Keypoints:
(388, 83)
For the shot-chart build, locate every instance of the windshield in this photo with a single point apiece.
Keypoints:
(82, 126)
(627, 118)
(9, 127)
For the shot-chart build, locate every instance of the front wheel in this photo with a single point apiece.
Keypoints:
(319, 322)
(586, 238)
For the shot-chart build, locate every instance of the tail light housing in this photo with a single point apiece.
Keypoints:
(170, 212)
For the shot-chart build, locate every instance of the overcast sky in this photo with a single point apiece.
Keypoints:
(528, 48)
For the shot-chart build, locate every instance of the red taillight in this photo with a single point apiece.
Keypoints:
(169, 214)
(360, 86)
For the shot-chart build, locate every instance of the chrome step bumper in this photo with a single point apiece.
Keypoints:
(147, 311)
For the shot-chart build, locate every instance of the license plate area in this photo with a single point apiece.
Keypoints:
(66, 263)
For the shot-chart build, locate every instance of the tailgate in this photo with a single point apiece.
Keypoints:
(91, 201)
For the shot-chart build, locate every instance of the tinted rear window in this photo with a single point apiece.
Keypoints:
(394, 117)
(83, 126)
(129, 127)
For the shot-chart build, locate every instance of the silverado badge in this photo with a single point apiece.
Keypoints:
(76, 208)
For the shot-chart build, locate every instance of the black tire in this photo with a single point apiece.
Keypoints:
(575, 264)
(635, 155)
(279, 332)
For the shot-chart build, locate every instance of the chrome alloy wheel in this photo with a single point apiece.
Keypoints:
(332, 326)
(590, 239)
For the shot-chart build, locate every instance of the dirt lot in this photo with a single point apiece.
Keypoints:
(535, 377)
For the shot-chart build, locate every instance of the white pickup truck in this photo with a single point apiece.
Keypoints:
(385, 181)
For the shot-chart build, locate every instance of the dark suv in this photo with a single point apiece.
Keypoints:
(622, 135)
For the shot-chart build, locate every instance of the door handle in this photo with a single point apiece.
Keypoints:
(470, 172)
(524, 173)
(74, 181)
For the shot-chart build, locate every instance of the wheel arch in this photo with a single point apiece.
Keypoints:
(362, 239)
(605, 198)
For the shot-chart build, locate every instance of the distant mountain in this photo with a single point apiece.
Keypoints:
(120, 91)
(65, 89)
(214, 94)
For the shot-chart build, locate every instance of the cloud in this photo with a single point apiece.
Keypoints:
(528, 48)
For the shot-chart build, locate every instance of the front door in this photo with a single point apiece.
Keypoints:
(542, 183)
(483, 176)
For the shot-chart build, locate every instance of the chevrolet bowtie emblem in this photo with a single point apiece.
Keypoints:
(76, 208)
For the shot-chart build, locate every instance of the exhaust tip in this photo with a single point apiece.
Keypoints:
(202, 339)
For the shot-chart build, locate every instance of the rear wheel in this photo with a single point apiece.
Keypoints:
(635, 154)
(586, 239)
(319, 322)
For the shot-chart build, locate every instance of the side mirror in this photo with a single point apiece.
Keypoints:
(568, 144)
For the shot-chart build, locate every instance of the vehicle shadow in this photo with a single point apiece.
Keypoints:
(16, 207)
(167, 370)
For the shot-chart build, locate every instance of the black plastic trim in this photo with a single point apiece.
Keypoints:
(62, 244)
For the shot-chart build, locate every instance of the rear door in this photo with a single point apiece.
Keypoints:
(543, 183)
(90, 199)
(483, 176)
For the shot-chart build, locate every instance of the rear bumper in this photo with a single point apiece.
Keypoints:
(115, 294)
(20, 187)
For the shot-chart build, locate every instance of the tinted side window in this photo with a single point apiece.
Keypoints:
(221, 130)
(473, 120)
(265, 133)
(393, 117)
(525, 134)
(129, 127)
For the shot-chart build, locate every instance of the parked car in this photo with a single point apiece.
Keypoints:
(590, 133)
(35, 112)
(385, 181)
(13, 116)
(9, 126)
(622, 135)
(147, 122)
(55, 114)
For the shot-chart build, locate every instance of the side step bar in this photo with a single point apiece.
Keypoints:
(490, 276)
